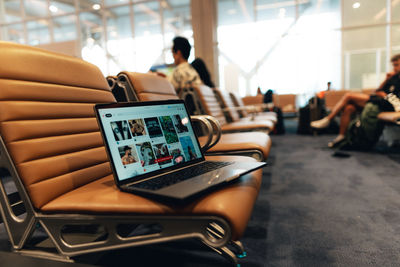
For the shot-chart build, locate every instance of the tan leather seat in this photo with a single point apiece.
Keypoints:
(102, 196)
(49, 130)
(212, 107)
(253, 100)
(286, 102)
(152, 87)
(246, 141)
(242, 110)
(233, 112)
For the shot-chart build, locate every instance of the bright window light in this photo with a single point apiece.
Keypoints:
(232, 11)
(53, 9)
(96, 6)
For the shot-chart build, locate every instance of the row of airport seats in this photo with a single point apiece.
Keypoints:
(286, 102)
(53, 151)
(246, 138)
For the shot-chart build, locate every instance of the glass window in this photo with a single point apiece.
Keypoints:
(92, 40)
(275, 9)
(365, 49)
(10, 11)
(318, 16)
(148, 37)
(13, 33)
(88, 5)
(119, 39)
(115, 2)
(91, 27)
(177, 22)
(395, 39)
(363, 70)
(119, 23)
(35, 8)
(395, 11)
(366, 38)
(38, 32)
(61, 7)
(64, 28)
(363, 12)
(275, 45)
(235, 12)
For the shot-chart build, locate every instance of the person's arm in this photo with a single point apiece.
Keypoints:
(383, 84)
(174, 79)
(380, 93)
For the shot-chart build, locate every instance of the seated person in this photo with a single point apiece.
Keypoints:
(184, 74)
(387, 96)
(201, 68)
(321, 95)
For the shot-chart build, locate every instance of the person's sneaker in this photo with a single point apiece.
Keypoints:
(335, 142)
(320, 124)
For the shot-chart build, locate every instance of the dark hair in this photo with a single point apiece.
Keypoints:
(268, 96)
(395, 58)
(181, 44)
(201, 68)
(127, 148)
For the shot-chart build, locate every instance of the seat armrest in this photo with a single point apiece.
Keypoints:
(216, 130)
(391, 117)
(213, 127)
(209, 128)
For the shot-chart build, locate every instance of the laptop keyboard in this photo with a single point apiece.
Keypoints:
(181, 175)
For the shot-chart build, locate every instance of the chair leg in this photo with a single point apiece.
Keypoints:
(44, 255)
(228, 254)
(239, 249)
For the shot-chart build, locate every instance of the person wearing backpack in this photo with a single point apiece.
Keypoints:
(364, 132)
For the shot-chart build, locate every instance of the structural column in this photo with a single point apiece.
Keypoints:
(204, 23)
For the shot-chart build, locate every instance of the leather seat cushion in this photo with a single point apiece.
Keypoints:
(389, 116)
(261, 117)
(247, 125)
(269, 115)
(233, 202)
(147, 83)
(242, 141)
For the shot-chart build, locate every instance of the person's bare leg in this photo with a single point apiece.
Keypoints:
(344, 123)
(346, 118)
(357, 99)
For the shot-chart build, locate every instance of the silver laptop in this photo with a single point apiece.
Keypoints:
(154, 151)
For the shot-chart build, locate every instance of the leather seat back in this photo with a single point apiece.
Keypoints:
(228, 103)
(238, 102)
(332, 97)
(210, 103)
(47, 120)
(253, 100)
(148, 86)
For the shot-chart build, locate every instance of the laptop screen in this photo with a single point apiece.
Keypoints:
(147, 138)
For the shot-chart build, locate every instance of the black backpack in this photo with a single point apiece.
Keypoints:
(314, 110)
(364, 131)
